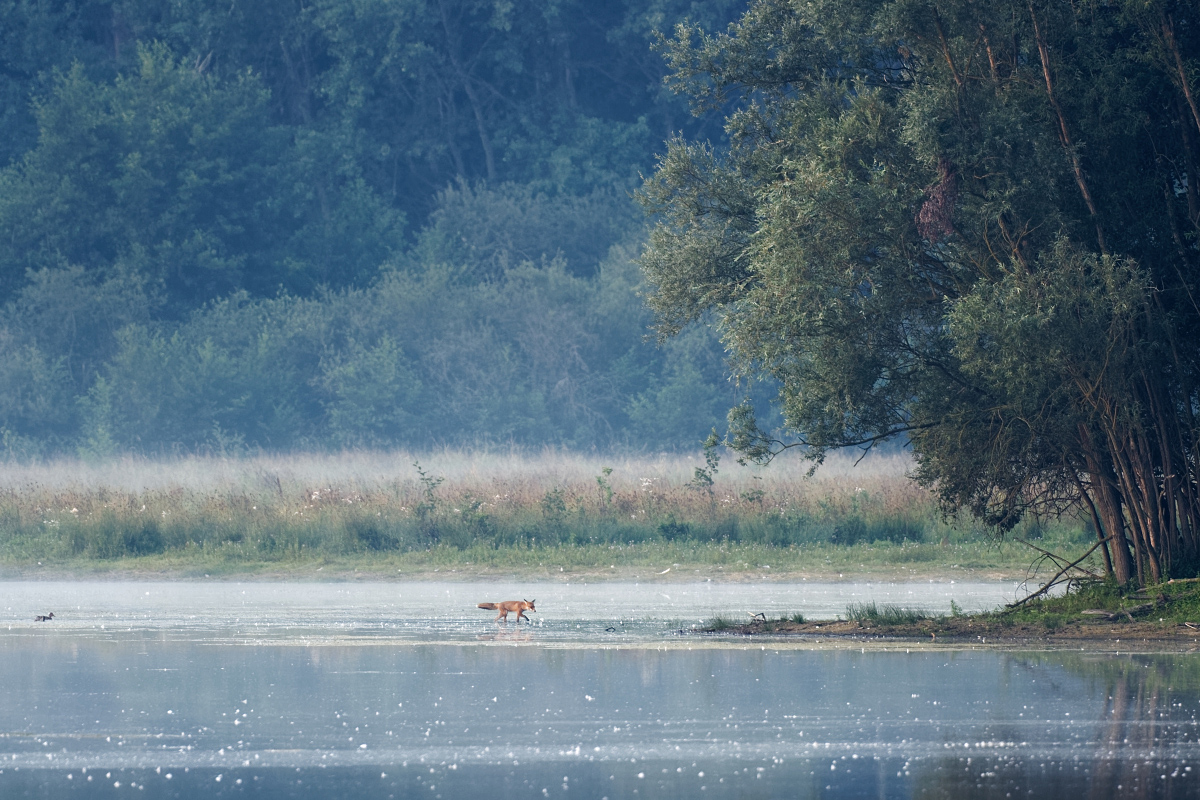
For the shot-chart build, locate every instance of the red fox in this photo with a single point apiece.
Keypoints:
(519, 606)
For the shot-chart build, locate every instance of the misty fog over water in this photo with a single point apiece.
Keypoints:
(425, 609)
(405, 690)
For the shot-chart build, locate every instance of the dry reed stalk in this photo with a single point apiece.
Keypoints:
(638, 485)
(526, 474)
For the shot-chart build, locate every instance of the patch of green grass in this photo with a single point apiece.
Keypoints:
(1184, 603)
(883, 615)
(1054, 611)
(1172, 603)
(673, 560)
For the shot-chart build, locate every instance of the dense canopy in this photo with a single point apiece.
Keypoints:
(337, 223)
(975, 225)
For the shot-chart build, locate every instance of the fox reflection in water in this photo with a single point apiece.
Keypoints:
(507, 635)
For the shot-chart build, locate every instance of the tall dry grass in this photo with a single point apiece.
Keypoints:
(275, 508)
(367, 471)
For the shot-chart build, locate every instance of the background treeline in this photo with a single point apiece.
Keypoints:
(338, 223)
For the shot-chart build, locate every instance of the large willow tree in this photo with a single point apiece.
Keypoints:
(974, 224)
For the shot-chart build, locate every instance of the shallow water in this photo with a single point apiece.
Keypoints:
(402, 690)
(425, 610)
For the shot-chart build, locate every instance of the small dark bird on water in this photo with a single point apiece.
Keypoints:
(44, 617)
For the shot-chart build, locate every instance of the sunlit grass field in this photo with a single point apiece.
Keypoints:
(448, 514)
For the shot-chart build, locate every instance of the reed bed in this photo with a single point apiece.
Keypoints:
(401, 512)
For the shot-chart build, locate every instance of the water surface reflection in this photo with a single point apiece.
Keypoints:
(499, 711)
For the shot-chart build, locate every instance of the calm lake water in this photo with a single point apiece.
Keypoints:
(270, 690)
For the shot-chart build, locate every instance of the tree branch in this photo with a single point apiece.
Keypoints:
(1064, 133)
(1059, 574)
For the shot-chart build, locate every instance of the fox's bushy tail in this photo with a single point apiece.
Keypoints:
(488, 606)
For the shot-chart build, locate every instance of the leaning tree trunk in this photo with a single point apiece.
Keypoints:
(1106, 507)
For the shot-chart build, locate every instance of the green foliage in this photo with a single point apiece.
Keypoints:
(855, 529)
(372, 393)
(702, 477)
(429, 499)
(755, 495)
(168, 174)
(477, 523)
(534, 357)
(683, 398)
(234, 368)
(606, 490)
(554, 511)
(972, 226)
(371, 534)
(717, 624)
(672, 529)
(114, 536)
(483, 232)
(355, 225)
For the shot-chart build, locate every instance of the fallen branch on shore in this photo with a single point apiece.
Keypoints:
(1059, 575)
(1112, 615)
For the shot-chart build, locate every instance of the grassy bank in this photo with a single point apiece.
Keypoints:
(1098, 611)
(396, 514)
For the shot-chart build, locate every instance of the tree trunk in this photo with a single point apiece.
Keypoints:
(1064, 133)
(1168, 28)
(1108, 506)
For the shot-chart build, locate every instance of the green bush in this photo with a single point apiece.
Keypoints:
(671, 529)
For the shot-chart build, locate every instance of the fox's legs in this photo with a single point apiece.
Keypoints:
(503, 615)
(520, 614)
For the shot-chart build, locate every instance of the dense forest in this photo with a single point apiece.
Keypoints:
(291, 224)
